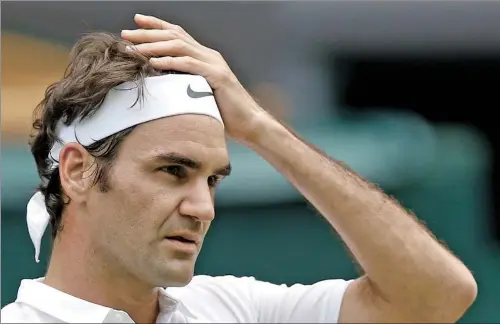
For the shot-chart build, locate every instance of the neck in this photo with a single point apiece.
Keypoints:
(76, 269)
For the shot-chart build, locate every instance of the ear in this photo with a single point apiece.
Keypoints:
(75, 167)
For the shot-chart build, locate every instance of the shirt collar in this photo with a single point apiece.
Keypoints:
(68, 308)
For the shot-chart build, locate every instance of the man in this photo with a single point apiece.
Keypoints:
(130, 197)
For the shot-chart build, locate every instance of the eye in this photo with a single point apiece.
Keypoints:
(214, 180)
(175, 170)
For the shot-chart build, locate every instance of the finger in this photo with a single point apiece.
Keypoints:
(174, 47)
(154, 35)
(214, 75)
(150, 22)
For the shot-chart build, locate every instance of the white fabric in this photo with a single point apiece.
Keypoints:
(163, 96)
(38, 219)
(206, 299)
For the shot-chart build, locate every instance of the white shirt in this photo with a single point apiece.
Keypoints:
(205, 299)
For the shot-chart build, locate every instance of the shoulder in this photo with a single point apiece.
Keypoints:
(245, 299)
(218, 285)
(221, 282)
(15, 313)
(220, 298)
(21, 313)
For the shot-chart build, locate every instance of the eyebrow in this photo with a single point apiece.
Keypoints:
(177, 158)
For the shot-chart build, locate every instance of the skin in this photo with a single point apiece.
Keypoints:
(119, 234)
(409, 276)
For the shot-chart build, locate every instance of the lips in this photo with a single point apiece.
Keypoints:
(181, 239)
(185, 237)
(185, 243)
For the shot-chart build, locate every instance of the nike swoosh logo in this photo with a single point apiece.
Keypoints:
(195, 95)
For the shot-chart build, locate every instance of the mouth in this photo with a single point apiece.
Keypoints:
(182, 244)
(180, 239)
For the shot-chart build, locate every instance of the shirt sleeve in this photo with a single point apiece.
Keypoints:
(228, 299)
(316, 303)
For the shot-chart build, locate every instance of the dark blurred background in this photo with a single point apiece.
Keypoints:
(404, 92)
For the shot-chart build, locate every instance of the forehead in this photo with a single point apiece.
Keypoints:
(198, 136)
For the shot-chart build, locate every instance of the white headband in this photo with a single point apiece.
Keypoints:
(163, 96)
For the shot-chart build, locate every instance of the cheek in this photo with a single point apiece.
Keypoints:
(146, 203)
(122, 207)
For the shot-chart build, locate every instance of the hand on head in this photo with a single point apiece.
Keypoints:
(172, 48)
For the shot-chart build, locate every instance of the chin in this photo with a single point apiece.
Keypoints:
(177, 280)
(182, 283)
(178, 273)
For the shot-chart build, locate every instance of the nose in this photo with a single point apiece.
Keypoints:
(198, 203)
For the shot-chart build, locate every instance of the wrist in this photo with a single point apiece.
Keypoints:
(261, 126)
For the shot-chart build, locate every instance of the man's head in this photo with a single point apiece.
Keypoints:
(123, 195)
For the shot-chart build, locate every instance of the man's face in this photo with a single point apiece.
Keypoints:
(161, 185)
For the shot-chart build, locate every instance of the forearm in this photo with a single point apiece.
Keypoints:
(406, 264)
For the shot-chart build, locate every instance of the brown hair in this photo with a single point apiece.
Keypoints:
(98, 62)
